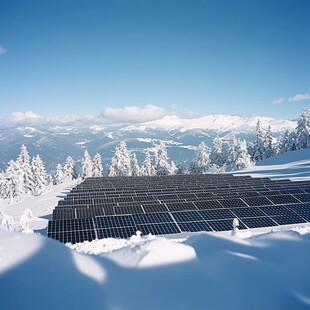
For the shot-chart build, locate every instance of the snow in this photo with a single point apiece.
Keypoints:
(291, 165)
(269, 271)
(252, 269)
(219, 122)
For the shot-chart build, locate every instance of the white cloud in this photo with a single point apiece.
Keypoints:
(18, 117)
(134, 113)
(299, 97)
(2, 50)
(277, 101)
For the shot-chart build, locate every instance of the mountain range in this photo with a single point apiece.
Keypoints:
(54, 142)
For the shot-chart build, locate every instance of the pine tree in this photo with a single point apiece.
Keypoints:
(59, 175)
(268, 144)
(303, 130)
(217, 155)
(201, 163)
(243, 159)
(6, 221)
(121, 162)
(134, 165)
(97, 166)
(23, 162)
(182, 168)
(147, 168)
(277, 147)
(69, 170)
(14, 181)
(161, 160)
(231, 156)
(258, 144)
(87, 166)
(285, 143)
(39, 175)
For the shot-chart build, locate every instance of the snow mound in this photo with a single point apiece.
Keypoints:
(269, 271)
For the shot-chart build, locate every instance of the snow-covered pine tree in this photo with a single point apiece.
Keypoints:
(268, 144)
(277, 146)
(147, 168)
(87, 166)
(69, 170)
(6, 221)
(285, 143)
(23, 163)
(161, 160)
(97, 166)
(182, 168)
(14, 181)
(303, 130)
(231, 156)
(217, 155)
(134, 165)
(3, 190)
(59, 175)
(243, 159)
(120, 162)
(201, 163)
(39, 175)
(258, 144)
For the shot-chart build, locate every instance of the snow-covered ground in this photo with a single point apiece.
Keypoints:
(203, 271)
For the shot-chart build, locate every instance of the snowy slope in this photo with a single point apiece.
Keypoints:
(208, 272)
(205, 271)
(291, 165)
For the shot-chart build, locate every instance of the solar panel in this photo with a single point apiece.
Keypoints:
(288, 219)
(247, 212)
(128, 209)
(159, 229)
(188, 216)
(155, 208)
(117, 232)
(232, 203)
(257, 201)
(257, 222)
(207, 204)
(180, 206)
(216, 214)
(118, 207)
(302, 197)
(223, 225)
(152, 218)
(195, 226)
(104, 222)
(283, 199)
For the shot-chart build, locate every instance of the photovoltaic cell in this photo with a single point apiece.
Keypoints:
(257, 222)
(188, 216)
(207, 204)
(283, 199)
(232, 203)
(194, 226)
(159, 229)
(216, 214)
(152, 218)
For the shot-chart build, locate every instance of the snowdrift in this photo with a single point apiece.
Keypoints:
(209, 272)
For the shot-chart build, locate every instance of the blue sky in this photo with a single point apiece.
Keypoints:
(238, 57)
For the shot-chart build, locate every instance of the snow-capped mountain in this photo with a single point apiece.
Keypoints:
(182, 135)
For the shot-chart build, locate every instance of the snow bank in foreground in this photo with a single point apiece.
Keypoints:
(269, 271)
(137, 251)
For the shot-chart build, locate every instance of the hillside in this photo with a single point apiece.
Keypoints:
(206, 270)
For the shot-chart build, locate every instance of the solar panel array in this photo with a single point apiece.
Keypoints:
(161, 205)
